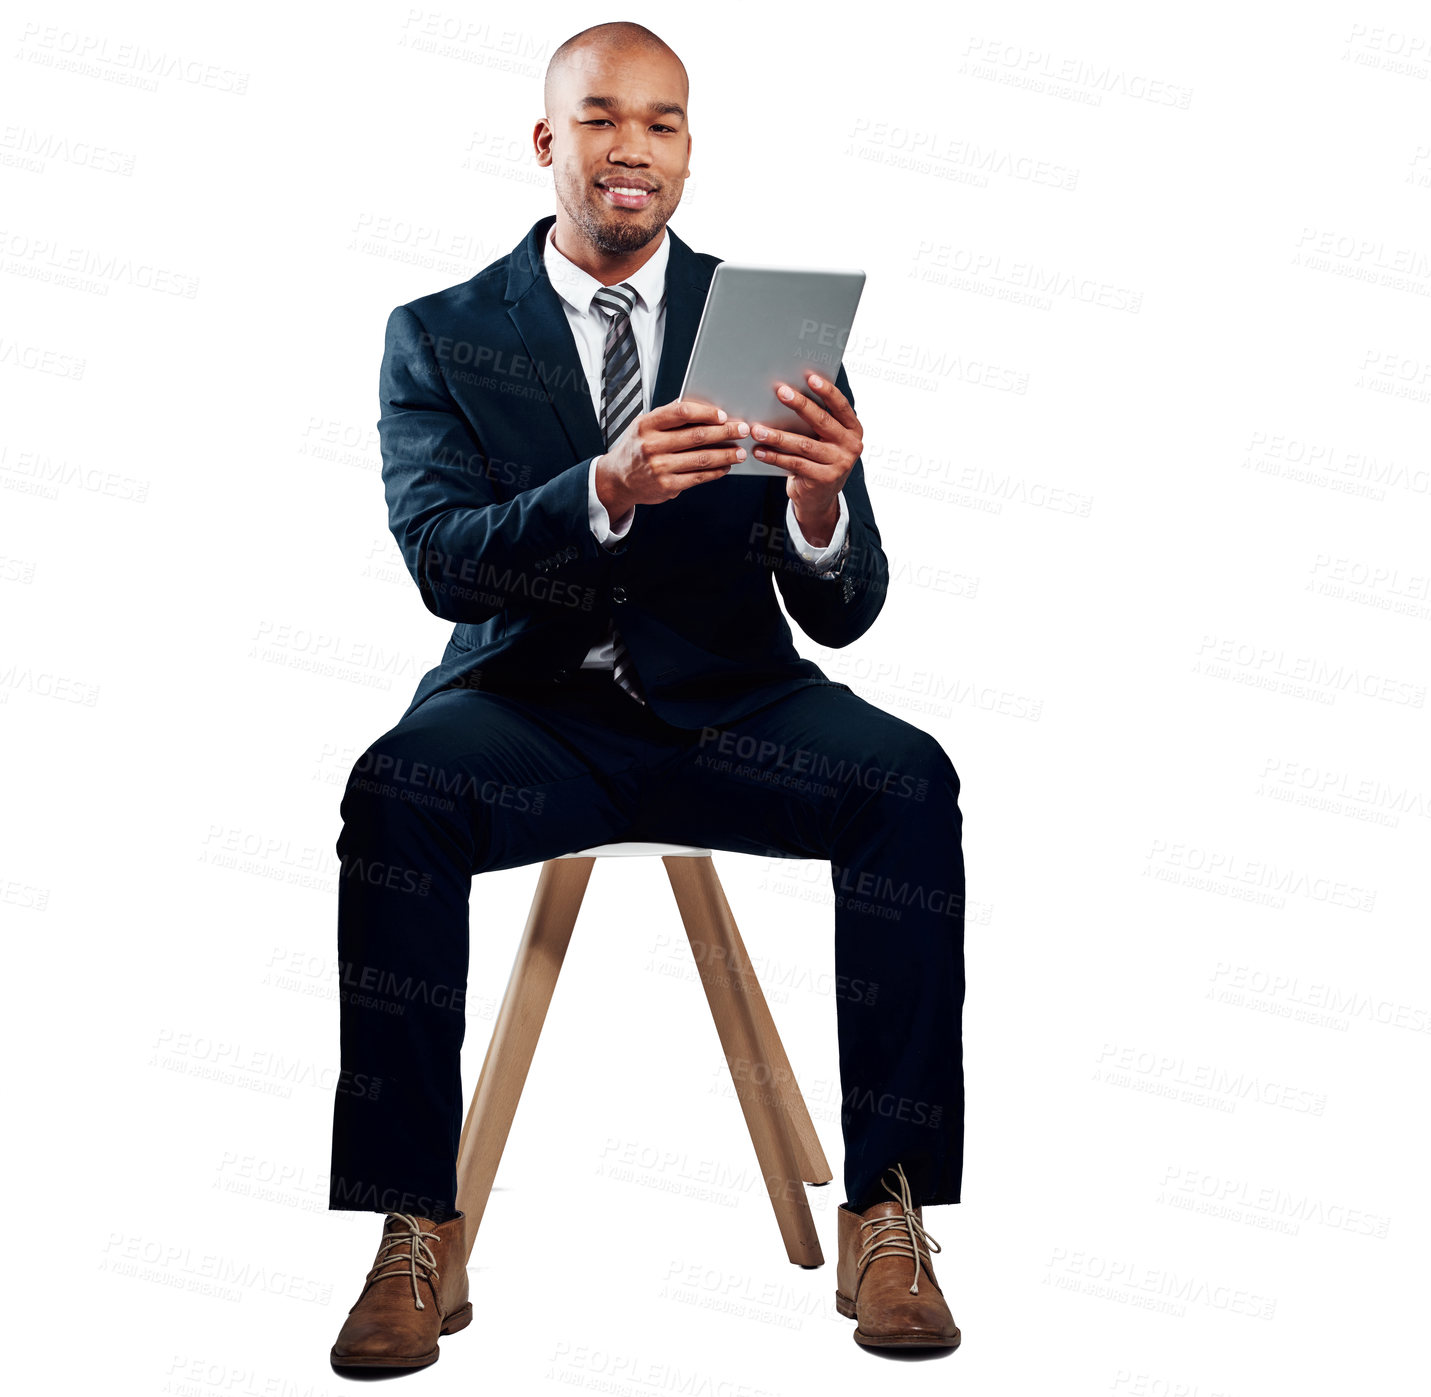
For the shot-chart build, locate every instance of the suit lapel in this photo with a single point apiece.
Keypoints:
(687, 282)
(542, 324)
(537, 314)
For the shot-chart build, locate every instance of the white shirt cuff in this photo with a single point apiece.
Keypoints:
(820, 558)
(597, 516)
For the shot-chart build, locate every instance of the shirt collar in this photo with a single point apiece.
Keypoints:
(577, 286)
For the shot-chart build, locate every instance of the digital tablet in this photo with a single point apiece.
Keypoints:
(767, 325)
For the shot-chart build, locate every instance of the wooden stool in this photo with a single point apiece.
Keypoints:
(786, 1145)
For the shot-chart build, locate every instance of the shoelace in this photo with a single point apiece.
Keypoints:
(915, 1238)
(418, 1254)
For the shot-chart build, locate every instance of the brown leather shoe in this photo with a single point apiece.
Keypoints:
(885, 1279)
(416, 1290)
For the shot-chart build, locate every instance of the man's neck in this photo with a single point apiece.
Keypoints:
(608, 268)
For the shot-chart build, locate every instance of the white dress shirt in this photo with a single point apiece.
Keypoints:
(576, 287)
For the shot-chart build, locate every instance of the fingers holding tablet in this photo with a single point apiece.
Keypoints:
(667, 450)
(823, 456)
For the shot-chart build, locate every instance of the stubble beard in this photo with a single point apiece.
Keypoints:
(613, 231)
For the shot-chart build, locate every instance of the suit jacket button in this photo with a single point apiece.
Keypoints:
(562, 675)
(618, 594)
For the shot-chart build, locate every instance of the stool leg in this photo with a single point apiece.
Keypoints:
(560, 888)
(724, 970)
(809, 1153)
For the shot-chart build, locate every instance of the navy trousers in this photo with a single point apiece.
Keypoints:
(475, 780)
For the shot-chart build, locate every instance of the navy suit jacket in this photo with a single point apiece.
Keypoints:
(488, 433)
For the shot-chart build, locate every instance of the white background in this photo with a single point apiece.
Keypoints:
(1145, 378)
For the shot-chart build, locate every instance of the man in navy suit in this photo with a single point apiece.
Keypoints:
(620, 669)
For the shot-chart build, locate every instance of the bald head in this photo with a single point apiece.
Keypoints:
(620, 42)
(617, 138)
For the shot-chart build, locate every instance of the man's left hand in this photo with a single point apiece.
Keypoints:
(819, 462)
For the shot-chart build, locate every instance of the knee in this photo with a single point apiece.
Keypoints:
(905, 778)
(384, 786)
(918, 765)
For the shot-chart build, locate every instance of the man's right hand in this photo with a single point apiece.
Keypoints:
(666, 451)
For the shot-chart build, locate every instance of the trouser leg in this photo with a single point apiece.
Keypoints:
(471, 781)
(897, 870)
(824, 774)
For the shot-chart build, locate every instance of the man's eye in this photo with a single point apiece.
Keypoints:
(606, 121)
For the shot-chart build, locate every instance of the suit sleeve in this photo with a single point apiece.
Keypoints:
(471, 554)
(833, 610)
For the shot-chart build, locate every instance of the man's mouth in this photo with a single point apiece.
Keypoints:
(623, 195)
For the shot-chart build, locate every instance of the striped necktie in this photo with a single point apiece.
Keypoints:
(621, 403)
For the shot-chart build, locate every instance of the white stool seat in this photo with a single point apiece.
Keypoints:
(635, 848)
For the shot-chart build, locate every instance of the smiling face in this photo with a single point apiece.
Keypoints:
(615, 135)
